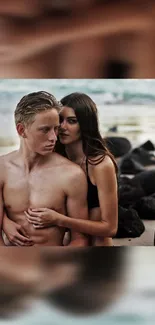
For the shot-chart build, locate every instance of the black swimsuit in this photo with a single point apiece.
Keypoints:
(92, 195)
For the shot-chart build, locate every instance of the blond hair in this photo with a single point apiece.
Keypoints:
(34, 103)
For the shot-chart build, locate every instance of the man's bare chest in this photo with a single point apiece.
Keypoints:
(39, 189)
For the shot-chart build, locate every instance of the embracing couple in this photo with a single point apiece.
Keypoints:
(60, 187)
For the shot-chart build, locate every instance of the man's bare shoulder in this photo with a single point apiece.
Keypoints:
(71, 171)
(76, 180)
(68, 164)
(2, 169)
(60, 159)
(5, 159)
(8, 157)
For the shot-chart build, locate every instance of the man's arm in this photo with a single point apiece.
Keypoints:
(77, 205)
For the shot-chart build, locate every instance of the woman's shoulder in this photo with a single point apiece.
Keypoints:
(105, 172)
(103, 164)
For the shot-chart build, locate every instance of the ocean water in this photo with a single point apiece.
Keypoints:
(127, 104)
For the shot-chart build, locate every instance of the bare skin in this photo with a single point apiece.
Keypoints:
(39, 183)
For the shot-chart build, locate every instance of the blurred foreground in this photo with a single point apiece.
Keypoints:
(51, 286)
(77, 39)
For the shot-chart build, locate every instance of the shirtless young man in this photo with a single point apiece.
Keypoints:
(34, 176)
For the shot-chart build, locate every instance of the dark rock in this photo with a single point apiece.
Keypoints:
(142, 156)
(148, 145)
(128, 195)
(128, 165)
(118, 146)
(129, 223)
(146, 208)
(113, 129)
(146, 180)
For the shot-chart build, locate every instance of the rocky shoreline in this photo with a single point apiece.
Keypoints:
(136, 188)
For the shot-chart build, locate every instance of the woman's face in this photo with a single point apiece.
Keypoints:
(69, 126)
